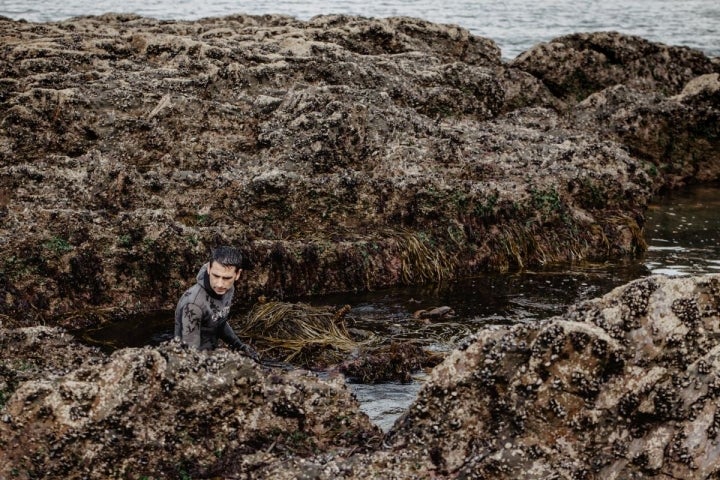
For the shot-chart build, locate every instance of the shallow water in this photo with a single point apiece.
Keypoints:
(682, 232)
(515, 25)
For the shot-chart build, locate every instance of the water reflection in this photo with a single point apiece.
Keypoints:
(683, 232)
(385, 403)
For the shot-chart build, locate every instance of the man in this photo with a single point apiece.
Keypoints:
(201, 316)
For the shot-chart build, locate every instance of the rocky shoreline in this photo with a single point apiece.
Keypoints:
(342, 153)
(345, 154)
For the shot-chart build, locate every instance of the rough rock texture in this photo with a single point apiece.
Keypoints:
(660, 101)
(624, 386)
(679, 134)
(574, 66)
(343, 153)
(36, 352)
(166, 412)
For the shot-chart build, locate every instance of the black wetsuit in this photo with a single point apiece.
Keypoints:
(201, 317)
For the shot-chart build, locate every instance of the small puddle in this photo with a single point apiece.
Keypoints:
(682, 233)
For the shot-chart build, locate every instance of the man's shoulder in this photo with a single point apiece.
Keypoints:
(194, 295)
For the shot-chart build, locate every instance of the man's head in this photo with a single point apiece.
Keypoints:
(224, 268)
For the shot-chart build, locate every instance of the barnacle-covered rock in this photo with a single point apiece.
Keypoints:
(345, 153)
(623, 386)
(171, 412)
(679, 134)
(574, 66)
(619, 387)
(35, 352)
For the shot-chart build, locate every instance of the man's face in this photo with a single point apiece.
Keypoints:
(222, 278)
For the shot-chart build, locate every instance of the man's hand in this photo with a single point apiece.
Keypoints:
(248, 351)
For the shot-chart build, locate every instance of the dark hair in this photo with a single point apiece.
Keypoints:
(227, 256)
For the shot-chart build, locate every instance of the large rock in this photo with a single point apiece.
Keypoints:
(625, 386)
(576, 65)
(660, 101)
(680, 134)
(342, 153)
(171, 412)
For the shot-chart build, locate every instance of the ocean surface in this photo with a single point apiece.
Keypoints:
(515, 25)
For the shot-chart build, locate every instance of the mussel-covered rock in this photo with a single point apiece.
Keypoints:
(173, 412)
(340, 153)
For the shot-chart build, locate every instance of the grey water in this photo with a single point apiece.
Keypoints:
(515, 25)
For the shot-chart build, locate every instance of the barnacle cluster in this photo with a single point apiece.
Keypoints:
(208, 401)
(635, 299)
(552, 396)
(714, 428)
(666, 402)
(709, 297)
(686, 309)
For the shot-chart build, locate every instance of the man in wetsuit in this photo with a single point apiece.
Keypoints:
(201, 316)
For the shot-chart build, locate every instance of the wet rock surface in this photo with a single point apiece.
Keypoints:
(36, 352)
(343, 153)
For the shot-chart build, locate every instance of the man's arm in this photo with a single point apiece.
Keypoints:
(191, 321)
(231, 338)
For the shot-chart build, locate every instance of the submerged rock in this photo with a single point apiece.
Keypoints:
(435, 313)
(395, 362)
